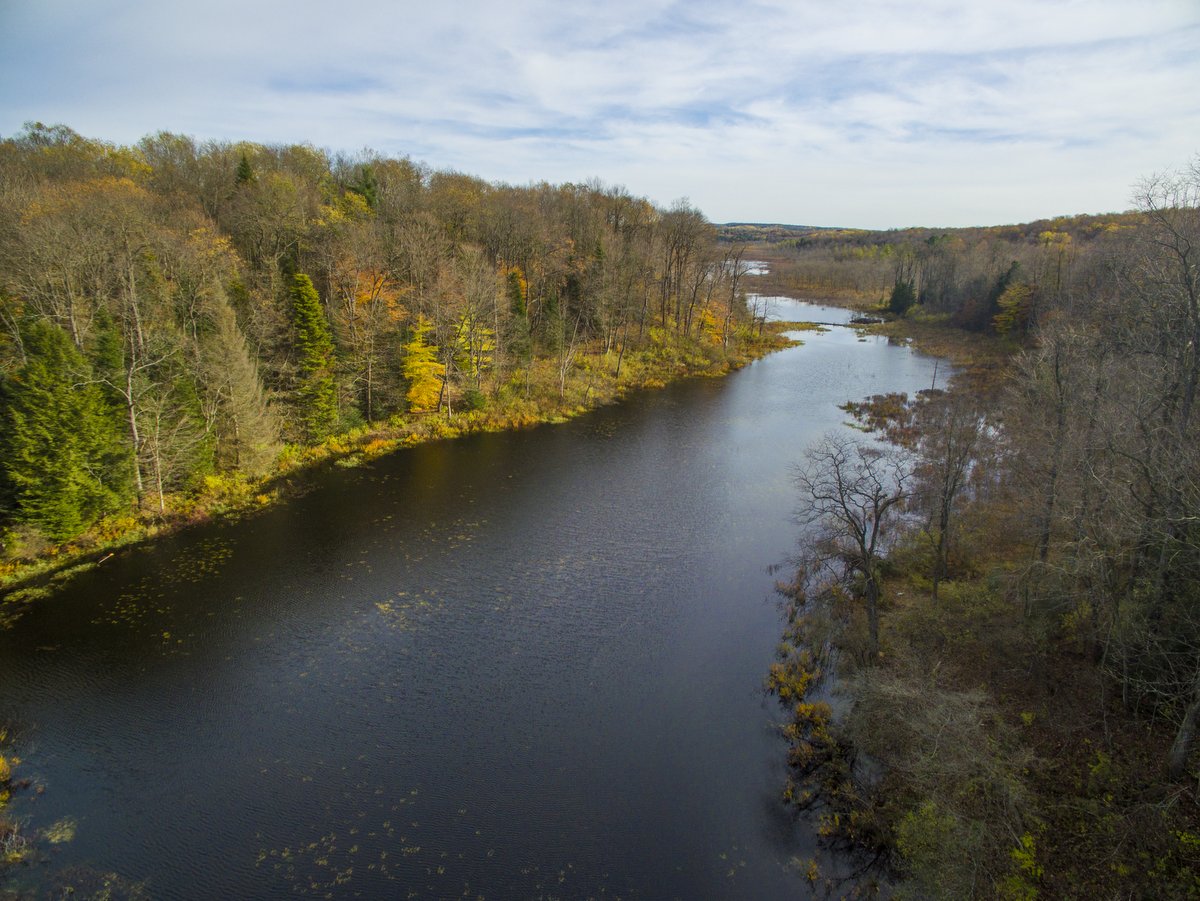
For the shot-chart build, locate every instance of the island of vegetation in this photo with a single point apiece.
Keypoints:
(1004, 572)
(183, 324)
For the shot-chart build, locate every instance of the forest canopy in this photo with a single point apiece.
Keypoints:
(176, 310)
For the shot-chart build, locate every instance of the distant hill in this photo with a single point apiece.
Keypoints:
(771, 232)
(1080, 227)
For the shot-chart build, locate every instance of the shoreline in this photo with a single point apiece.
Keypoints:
(590, 385)
(831, 777)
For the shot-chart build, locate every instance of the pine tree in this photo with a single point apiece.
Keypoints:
(61, 449)
(904, 296)
(517, 290)
(247, 428)
(316, 394)
(366, 186)
(245, 172)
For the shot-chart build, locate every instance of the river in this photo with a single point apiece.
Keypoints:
(511, 665)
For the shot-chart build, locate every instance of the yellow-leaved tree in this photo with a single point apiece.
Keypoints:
(710, 328)
(422, 370)
(475, 345)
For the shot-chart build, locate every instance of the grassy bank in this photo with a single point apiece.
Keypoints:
(544, 392)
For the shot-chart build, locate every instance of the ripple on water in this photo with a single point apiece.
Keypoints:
(512, 665)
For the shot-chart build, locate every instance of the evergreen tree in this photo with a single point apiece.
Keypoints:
(176, 448)
(316, 394)
(245, 172)
(246, 427)
(61, 449)
(1016, 307)
(903, 297)
(516, 288)
(366, 186)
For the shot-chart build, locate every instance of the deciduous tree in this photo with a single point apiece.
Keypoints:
(853, 492)
(422, 369)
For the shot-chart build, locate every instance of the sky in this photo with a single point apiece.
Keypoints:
(872, 114)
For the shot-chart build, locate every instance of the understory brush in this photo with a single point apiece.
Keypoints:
(982, 754)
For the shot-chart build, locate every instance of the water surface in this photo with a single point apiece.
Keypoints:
(788, 309)
(512, 665)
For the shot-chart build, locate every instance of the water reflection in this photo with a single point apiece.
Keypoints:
(788, 309)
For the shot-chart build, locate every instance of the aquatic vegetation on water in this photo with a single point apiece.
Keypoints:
(85, 882)
(146, 602)
(61, 832)
(14, 844)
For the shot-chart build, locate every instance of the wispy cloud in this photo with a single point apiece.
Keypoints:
(331, 82)
(889, 113)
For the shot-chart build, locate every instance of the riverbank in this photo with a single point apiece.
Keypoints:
(33, 569)
(986, 752)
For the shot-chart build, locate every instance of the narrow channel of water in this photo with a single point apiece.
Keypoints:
(510, 665)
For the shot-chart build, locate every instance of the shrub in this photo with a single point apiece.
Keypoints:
(474, 399)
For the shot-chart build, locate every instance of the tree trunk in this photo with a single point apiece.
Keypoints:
(940, 567)
(1178, 756)
(135, 439)
(872, 593)
(1060, 434)
(621, 353)
(370, 392)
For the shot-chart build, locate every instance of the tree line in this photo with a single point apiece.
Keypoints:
(959, 271)
(177, 309)
(1010, 575)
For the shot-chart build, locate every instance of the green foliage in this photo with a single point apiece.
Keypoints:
(980, 315)
(316, 393)
(107, 354)
(903, 297)
(926, 837)
(245, 172)
(246, 428)
(517, 290)
(61, 451)
(1021, 884)
(366, 186)
(175, 267)
(957, 778)
(474, 399)
(520, 339)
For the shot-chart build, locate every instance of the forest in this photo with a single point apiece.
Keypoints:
(180, 321)
(1005, 570)
(947, 270)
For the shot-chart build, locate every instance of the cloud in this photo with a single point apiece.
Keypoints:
(887, 113)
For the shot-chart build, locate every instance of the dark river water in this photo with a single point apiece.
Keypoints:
(511, 666)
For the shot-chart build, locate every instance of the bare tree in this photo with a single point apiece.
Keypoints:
(737, 268)
(950, 428)
(853, 492)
